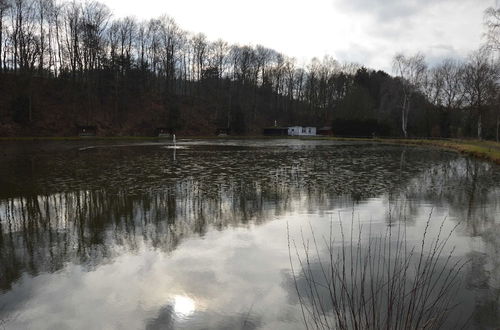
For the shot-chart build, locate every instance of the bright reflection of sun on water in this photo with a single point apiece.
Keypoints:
(184, 306)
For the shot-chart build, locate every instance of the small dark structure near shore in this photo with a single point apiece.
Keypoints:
(223, 131)
(325, 131)
(163, 132)
(86, 131)
(276, 131)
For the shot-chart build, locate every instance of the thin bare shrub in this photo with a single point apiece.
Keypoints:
(379, 282)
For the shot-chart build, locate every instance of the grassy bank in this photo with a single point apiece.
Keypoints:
(488, 150)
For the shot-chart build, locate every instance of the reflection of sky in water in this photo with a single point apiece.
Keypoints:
(184, 306)
(202, 281)
(209, 249)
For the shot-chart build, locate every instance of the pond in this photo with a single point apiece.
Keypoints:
(121, 235)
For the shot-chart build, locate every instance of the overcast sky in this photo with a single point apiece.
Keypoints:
(368, 32)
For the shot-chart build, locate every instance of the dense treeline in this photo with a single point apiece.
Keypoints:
(70, 63)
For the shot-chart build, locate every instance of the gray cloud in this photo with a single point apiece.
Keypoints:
(436, 53)
(437, 28)
(391, 10)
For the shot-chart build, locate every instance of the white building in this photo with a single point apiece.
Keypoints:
(301, 131)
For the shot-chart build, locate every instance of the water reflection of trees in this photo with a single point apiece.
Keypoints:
(41, 233)
(469, 189)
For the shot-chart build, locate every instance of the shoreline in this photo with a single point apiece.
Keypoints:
(482, 149)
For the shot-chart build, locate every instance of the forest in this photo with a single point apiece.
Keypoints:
(70, 64)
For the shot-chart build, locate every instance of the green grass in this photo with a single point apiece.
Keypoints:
(488, 150)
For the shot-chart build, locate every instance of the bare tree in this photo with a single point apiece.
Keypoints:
(492, 25)
(126, 31)
(4, 5)
(411, 70)
(72, 24)
(57, 10)
(26, 42)
(433, 86)
(170, 35)
(95, 17)
(450, 72)
(200, 48)
(217, 56)
(479, 79)
(42, 10)
(140, 44)
(264, 57)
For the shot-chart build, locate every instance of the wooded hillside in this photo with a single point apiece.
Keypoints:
(64, 64)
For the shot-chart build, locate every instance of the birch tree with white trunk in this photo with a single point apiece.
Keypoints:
(411, 70)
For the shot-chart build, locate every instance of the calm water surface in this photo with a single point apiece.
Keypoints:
(143, 236)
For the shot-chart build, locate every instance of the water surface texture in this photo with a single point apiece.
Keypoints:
(145, 236)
